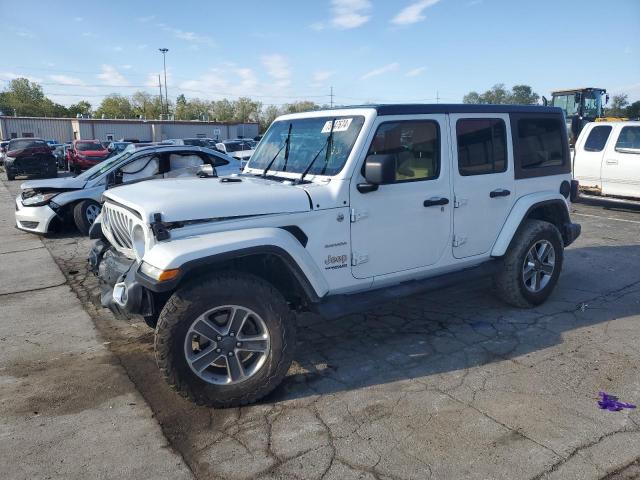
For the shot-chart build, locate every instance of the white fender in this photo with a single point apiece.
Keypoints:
(517, 213)
(174, 254)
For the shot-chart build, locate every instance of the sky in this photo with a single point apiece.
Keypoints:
(278, 52)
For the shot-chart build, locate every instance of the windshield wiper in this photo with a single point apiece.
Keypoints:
(286, 154)
(326, 156)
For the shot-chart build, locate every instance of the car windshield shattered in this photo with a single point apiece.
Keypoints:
(292, 145)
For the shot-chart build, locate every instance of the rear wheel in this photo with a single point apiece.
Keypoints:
(532, 265)
(84, 214)
(226, 341)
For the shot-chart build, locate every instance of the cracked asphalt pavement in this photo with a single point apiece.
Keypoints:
(447, 384)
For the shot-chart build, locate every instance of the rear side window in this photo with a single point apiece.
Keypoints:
(597, 138)
(20, 144)
(482, 146)
(629, 138)
(540, 143)
(415, 145)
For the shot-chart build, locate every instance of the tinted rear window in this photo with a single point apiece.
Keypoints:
(20, 144)
(629, 138)
(482, 146)
(597, 138)
(82, 146)
(540, 142)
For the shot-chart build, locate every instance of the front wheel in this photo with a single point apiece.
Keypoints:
(225, 341)
(84, 214)
(532, 265)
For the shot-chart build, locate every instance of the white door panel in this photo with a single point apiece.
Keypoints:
(484, 194)
(393, 230)
(621, 167)
(590, 148)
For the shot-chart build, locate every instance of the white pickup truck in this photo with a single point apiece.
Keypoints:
(607, 159)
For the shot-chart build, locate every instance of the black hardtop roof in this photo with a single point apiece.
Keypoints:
(425, 108)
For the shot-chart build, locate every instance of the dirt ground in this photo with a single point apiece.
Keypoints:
(449, 384)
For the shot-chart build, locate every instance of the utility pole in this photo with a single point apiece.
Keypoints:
(331, 95)
(164, 63)
(161, 102)
(437, 96)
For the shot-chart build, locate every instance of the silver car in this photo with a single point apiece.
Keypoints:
(61, 201)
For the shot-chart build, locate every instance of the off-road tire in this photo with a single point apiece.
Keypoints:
(225, 288)
(508, 281)
(80, 216)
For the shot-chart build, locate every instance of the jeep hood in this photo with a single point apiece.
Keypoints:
(189, 199)
(53, 184)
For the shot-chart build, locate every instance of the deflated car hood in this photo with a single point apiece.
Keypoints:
(189, 199)
(52, 184)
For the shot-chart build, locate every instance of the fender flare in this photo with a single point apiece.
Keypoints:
(520, 211)
(191, 253)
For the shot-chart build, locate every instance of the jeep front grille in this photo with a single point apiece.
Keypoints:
(117, 224)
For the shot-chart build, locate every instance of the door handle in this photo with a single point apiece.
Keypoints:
(500, 192)
(612, 161)
(435, 201)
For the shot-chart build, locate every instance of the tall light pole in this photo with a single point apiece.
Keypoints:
(164, 63)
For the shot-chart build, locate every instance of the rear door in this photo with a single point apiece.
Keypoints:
(621, 166)
(483, 180)
(587, 165)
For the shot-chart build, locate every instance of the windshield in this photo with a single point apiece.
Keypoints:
(308, 136)
(566, 103)
(104, 166)
(84, 146)
(592, 104)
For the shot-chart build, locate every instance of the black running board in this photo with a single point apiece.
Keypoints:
(335, 306)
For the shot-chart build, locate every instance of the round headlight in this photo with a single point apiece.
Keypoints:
(139, 241)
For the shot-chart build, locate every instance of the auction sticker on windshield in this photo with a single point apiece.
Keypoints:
(341, 125)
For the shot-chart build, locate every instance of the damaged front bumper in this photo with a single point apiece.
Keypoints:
(119, 289)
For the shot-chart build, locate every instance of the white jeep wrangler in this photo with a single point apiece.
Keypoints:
(337, 210)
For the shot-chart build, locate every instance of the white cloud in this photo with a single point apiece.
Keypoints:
(221, 82)
(11, 76)
(118, 48)
(67, 80)
(474, 2)
(277, 68)
(126, 67)
(380, 71)
(111, 76)
(191, 37)
(414, 72)
(413, 13)
(24, 33)
(78, 19)
(89, 34)
(350, 13)
(317, 26)
(142, 46)
(146, 19)
(320, 78)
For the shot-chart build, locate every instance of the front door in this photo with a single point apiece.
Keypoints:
(406, 224)
(621, 165)
(483, 180)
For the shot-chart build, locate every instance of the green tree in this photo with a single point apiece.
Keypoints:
(115, 106)
(499, 95)
(223, 110)
(82, 107)
(246, 110)
(633, 110)
(146, 105)
(267, 116)
(618, 106)
(298, 107)
(24, 98)
(523, 95)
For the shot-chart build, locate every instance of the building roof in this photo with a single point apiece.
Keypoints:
(129, 120)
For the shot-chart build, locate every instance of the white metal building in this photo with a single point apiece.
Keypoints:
(68, 129)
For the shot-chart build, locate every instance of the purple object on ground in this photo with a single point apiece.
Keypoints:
(611, 403)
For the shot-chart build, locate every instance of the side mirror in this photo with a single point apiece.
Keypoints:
(606, 98)
(111, 179)
(206, 170)
(378, 170)
(577, 97)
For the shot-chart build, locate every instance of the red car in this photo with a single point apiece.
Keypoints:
(85, 154)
